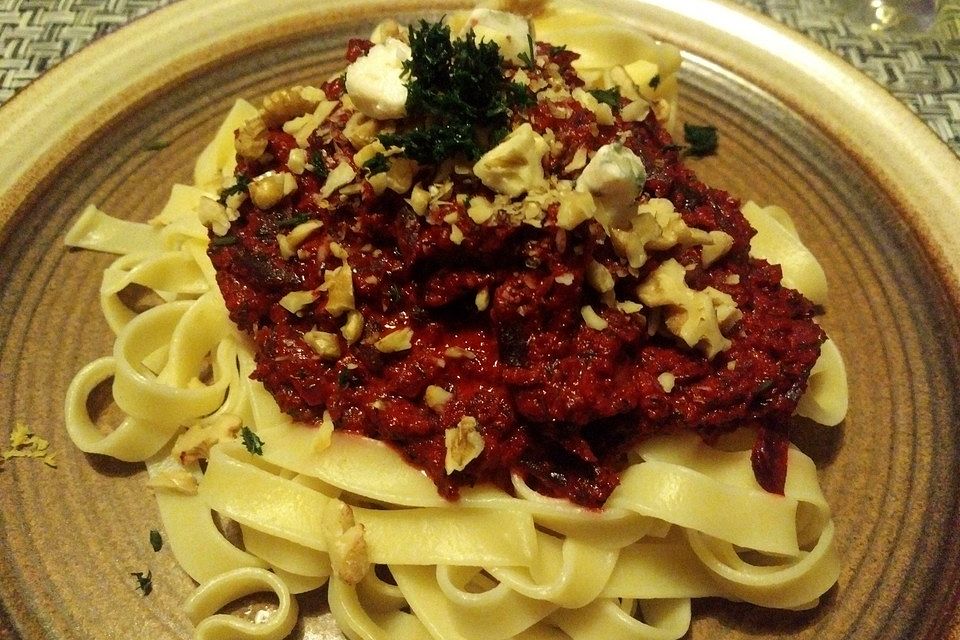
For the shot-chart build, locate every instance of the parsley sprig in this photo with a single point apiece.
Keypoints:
(456, 95)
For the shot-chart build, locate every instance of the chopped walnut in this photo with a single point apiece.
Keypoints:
(195, 443)
(464, 444)
(251, 142)
(293, 102)
(345, 542)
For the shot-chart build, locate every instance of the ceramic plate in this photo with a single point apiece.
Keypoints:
(873, 191)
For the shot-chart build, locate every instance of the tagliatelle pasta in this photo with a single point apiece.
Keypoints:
(320, 508)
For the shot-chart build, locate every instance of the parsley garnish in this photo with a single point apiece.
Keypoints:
(557, 49)
(242, 182)
(456, 91)
(347, 378)
(156, 541)
(224, 241)
(654, 82)
(702, 139)
(144, 582)
(252, 441)
(298, 219)
(527, 57)
(377, 164)
(319, 166)
(608, 96)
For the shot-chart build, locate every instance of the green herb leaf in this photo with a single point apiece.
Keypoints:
(527, 57)
(156, 540)
(456, 94)
(609, 97)
(319, 166)
(347, 378)
(241, 184)
(251, 441)
(144, 582)
(377, 164)
(557, 49)
(654, 82)
(702, 139)
(296, 220)
(223, 241)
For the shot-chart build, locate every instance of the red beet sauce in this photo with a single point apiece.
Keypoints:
(557, 402)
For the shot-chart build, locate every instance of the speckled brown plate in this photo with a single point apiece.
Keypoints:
(874, 193)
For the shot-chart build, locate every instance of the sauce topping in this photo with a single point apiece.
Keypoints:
(535, 303)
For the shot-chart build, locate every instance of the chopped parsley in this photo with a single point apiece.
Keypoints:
(319, 165)
(456, 93)
(702, 139)
(527, 57)
(156, 540)
(224, 241)
(654, 82)
(252, 441)
(609, 97)
(557, 49)
(347, 378)
(296, 220)
(377, 164)
(241, 184)
(144, 582)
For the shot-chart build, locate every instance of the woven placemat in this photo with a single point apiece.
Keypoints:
(918, 61)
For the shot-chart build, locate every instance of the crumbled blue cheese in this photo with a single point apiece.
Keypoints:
(375, 83)
(511, 32)
(514, 167)
(614, 177)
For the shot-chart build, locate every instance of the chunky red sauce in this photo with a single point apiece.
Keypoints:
(557, 402)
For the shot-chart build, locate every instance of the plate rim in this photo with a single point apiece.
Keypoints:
(924, 206)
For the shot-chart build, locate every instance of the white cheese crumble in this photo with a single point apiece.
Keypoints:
(614, 176)
(375, 83)
(511, 32)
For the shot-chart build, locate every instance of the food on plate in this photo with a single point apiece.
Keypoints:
(457, 334)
